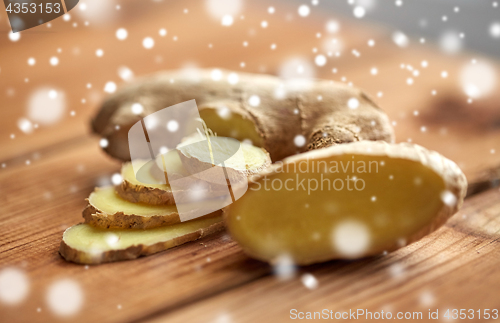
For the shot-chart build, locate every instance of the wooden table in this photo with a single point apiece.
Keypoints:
(46, 175)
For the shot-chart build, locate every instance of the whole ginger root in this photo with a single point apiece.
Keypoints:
(259, 108)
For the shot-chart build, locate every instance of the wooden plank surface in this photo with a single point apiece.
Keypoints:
(211, 279)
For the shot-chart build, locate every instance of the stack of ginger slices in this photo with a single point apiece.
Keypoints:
(135, 219)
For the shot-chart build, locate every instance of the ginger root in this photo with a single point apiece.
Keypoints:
(85, 244)
(259, 108)
(152, 192)
(345, 202)
(107, 210)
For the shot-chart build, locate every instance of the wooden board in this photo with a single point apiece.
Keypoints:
(211, 279)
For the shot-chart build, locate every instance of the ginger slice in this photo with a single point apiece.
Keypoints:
(85, 244)
(346, 201)
(107, 210)
(170, 161)
(205, 158)
(151, 191)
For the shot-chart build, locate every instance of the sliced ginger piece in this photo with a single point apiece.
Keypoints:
(346, 201)
(150, 190)
(205, 157)
(107, 210)
(171, 161)
(85, 244)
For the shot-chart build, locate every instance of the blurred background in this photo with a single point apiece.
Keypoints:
(433, 66)
(430, 64)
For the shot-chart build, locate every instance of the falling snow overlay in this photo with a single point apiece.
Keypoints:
(432, 66)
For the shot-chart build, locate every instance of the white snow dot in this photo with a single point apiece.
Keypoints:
(359, 12)
(448, 198)
(374, 71)
(116, 179)
(137, 108)
(427, 299)
(103, 143)
(227, 20)
(110, 87)
(373, 198)
(111, 238)
(444, 74)
(309, 281)
(284, 267)
(172, 126)
(254, 100)
(148, 42)
(14, 36)
(478, 79)
(495, 30)
(162, 32)
(399, 3)
(14, 285)
(371, 43)
(65, 297)
(46, 106)
(424, 64)
(299, 140)
(400, 39)
(450, 42)
(332, 26)
(409, 81)
(271, 10)
(25, 125)
(67, 17)
(353, 103)
(163, 150)
(122, 34)
(320, 60)
(351, 238)
(304, 10)
(54, 61)
(232, 78)
(31, 61)
(52, 94)
(125, 73)
(99, 52)
(216, 75)
(397, 270)
(224, 113)
(264, 24)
